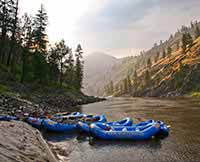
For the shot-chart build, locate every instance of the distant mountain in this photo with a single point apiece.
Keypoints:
(95, 66)
(170, 71)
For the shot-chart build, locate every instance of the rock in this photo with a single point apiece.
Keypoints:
(21, 142)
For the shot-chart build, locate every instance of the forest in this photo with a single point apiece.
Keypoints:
(26, 55)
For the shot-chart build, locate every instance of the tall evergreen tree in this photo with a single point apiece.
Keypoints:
(147, 77)
(111, 88)
(26, 42)
(39, 33)
(14, 10)
(197, 32)
(40, 44)
(163, 54)
(125, 85)
(149, 64)
(6, 23)
(69, 66)
(157, 57)
(129, 84)
(78, 78)
(186, 41)
(169, 50)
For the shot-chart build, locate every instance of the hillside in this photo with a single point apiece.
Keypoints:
(96, 64)
(168, 63)
(175, 75)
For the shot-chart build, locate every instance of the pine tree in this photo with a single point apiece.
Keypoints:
(177, 46)
(40, 44)
(69, 66)
(157, 57)
(169, 50)
(147, 77)
(62, 51)
(186, 41)
(78, 78)
(149, 64)
(6, 23)
(135, 81)
(125, 86)
(163, 54)
(14, 10)
(197, 32)
(129, 84)
(39, 33)
(189, 40)
(111, 88)
(26, 43)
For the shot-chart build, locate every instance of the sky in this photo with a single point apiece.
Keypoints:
(116, 27)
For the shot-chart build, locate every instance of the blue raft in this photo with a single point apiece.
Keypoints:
(106, 132)
(53, 126)
(84, 126)
(8, 118)
(35, 122)
(69, 115)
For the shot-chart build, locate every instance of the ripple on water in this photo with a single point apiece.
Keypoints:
(182, 145)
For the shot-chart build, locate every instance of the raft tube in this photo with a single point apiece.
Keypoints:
(35, 122)
(53, 126)
(84, 126)
(106, 132)
(8, 118)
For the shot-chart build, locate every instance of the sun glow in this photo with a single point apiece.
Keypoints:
(63, 16)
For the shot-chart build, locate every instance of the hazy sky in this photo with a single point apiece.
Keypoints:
(117, 27)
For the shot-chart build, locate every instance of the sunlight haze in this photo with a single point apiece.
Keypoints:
(119, 28)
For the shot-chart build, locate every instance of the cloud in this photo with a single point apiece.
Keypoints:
(135, 24)
(116, 26)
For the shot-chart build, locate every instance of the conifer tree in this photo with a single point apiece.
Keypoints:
(169, 50)
(197, 32)
(39, 33)
(149, 64)
(6, 24)
(186, 41)
(129, 84)
(163, 54)
(78, 78)
(14, 10)
(125, 86)
(147, 77)
(40, 44)
(157, 57)
(26, 42)
(69, 66)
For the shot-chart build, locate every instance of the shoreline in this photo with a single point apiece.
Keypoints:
(21, 136)
(21, 142)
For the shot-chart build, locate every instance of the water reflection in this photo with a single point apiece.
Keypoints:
(183, 144)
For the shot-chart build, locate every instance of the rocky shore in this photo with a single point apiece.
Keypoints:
(54, 104)
(19, 142)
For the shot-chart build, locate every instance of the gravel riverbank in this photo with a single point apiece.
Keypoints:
(19, 142)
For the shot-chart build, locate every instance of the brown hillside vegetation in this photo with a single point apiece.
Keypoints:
(176, 74)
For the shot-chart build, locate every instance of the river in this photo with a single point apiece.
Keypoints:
(182, 145)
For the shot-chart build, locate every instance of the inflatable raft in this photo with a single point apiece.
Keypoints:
(84, 126)
(106, 132)
(35, 122)
(8, 118)
(53, 126)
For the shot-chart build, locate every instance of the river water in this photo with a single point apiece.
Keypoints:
(182, 145)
